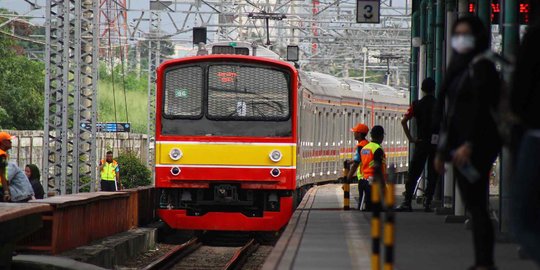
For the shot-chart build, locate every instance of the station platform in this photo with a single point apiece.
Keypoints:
(321, 235)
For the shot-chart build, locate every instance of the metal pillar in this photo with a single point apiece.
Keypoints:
(86, 110)
(448, 177)
(70, 67)
(463, 9)
(439, 46)
(154, 48)
(415, 33)
(53, 98)
(484, 13)
(510, 47)
(430, 38)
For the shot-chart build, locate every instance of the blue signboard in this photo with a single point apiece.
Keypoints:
(109, 127)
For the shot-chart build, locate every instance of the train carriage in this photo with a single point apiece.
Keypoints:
(238, 135)
(226, 142)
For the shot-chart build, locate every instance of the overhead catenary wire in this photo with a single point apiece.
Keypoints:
(122, 67)
(111, 61)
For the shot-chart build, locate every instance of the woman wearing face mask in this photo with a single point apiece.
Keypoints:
(469, 136)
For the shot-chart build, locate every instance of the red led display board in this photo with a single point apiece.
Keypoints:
(496, 8)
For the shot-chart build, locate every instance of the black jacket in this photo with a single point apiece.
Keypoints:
(525, 95)
(468, 99)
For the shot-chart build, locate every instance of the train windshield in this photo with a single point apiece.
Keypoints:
(243, 92)
(226, 99)
(184, 92)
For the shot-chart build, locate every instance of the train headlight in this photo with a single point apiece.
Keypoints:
(175, 154)
(276, 156)
(275, 172)
(175, 171)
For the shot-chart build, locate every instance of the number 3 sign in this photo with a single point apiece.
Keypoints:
(368, 11)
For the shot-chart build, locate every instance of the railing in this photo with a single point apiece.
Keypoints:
(78, 219)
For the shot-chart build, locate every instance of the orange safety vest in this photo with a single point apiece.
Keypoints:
(360, 145)
(368, 164)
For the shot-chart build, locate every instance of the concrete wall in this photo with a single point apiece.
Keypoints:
(28, 147)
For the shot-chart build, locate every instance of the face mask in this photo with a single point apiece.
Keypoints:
(463, 43)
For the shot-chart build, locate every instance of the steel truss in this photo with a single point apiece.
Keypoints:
(154, 59)
(71, 62)
(323, 30)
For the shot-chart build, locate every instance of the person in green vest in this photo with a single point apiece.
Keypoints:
(110, 173)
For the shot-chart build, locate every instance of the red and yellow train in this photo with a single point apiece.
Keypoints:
(238, 135)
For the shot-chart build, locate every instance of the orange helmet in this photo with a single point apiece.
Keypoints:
(360, 128)
(5, 136)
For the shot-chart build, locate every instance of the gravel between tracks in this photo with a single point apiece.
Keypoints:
(206, 258)
(146, 258)
(256, 260)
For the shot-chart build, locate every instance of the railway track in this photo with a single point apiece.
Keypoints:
(194, 254)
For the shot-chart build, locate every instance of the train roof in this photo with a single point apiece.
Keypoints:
(260, 51)
(339, 88)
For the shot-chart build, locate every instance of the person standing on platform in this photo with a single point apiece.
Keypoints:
(360, 132)
(424, 146)
(110, 173)
(5, 146)
(372, 157)
(469, 135)
(525, 104)
(19, 187)
(32, 172)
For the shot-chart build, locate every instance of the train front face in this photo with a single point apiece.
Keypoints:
(226, 143)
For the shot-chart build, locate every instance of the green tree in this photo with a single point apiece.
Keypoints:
(133, 173)
(21, 89)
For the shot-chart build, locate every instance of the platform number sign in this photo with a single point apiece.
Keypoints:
(368, 11)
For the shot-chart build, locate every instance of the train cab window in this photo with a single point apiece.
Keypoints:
(183, 95)
(245, 92)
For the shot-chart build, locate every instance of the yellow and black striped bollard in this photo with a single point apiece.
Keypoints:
(346, 186)
(376, 205)
(389, 228)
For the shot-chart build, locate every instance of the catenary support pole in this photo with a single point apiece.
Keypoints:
(484, 12)
(510, 47)
(430, 38)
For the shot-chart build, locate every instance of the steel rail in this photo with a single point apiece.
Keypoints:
(173, 256)
(241, 255)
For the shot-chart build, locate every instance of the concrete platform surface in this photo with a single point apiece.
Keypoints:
(38, 262)
(116, 249)
(320, 236)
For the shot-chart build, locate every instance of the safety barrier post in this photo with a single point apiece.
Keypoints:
(376, 204)
(389, 228)
(346, 186)
(381, 189)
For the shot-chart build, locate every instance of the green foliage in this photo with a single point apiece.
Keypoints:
(133, 172)
(21, 90)
(129, 80)
(137, 106)
(21, 84)
(85, 180)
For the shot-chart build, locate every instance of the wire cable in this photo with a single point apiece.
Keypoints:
(122, 66)
(111, 60)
